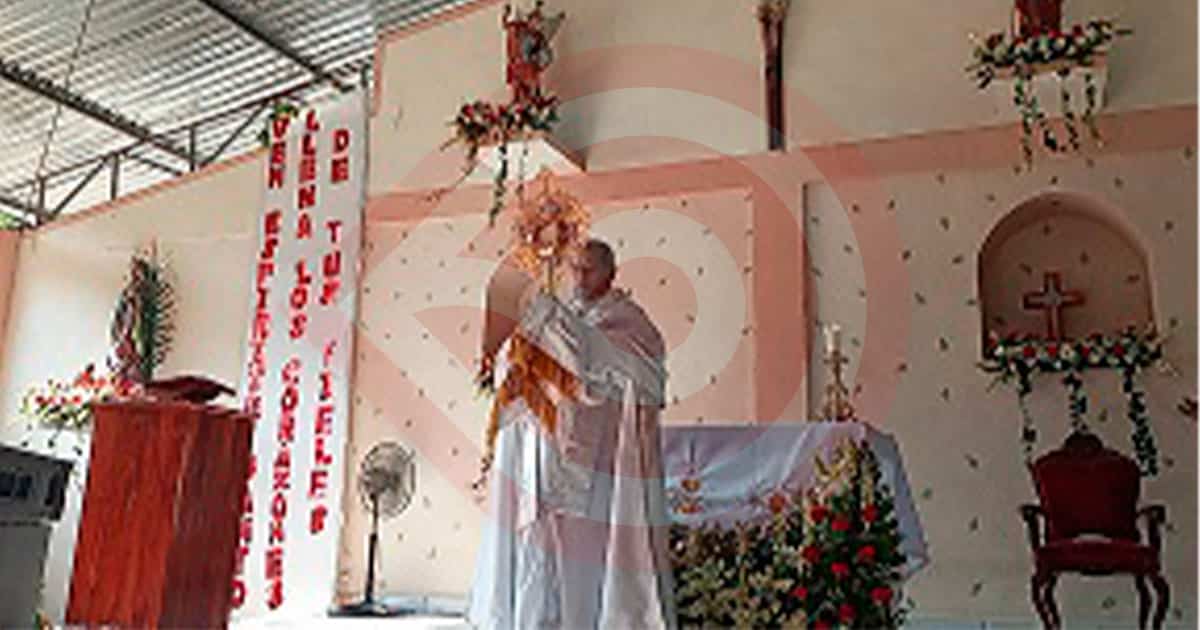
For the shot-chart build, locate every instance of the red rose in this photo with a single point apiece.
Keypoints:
(818, 513)
(1119, 350)
(812, 554)
(1084, 351)
(821, 624)
(800, 592)
(1052, 349)
(1029, 352)
(840, 569)
(846, 613)
(841, 524)
(870, 513)
(866, 554)
(881, 595)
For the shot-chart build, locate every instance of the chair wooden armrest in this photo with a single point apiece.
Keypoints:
(1156, 516)
(1030, 514)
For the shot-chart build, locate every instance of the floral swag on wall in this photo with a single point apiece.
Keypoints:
(1039, 45)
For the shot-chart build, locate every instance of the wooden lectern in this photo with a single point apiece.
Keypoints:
(159, 530)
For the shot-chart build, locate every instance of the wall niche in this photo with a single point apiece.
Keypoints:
(1078, 246)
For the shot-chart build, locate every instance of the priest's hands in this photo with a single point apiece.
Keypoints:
(485, 379)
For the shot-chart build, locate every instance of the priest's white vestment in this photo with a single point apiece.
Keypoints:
(575, 535)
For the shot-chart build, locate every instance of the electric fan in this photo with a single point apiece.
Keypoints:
(386, 481)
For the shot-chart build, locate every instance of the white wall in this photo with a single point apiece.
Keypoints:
(66, 285)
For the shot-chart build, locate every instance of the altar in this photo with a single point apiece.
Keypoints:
(726, 474)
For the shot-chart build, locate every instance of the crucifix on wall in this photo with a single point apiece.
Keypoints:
(1052, 299)
(771, 15)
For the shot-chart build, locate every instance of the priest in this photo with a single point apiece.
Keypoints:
(576, 533)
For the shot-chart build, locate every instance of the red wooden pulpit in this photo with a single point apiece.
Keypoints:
(159, 529)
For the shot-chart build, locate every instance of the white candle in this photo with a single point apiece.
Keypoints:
(833, 338)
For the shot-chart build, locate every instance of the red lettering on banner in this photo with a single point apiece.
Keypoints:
(311, 122)
(270, 243)
(299, 324)
(303, 275)
(290, 399)
(339, 170)
(329, 291)
(275, 177)
(332, 263)
(318, 483)
(274, 565)
(335, 230)
(274, 573)
(275, 594)
(239, 593)
(266, 269)
(316, 519)
(341, 140)
(306, 196)
(304, 227)
(276, 533)
(327, 353)
(326, 385)
(287, 428)
(321, 457)
(308, 168)
(279, 126)
(324, 420)
(274, 222)
(282, 470)
(339, 167)
(278, 154)
(245, 531)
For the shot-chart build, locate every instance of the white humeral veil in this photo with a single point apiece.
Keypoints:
(576, 531)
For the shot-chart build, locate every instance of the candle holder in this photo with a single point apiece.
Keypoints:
(837, 405)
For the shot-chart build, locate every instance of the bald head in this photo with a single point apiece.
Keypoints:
(595, 269)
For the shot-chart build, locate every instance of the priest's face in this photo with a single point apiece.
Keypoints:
(593, 274)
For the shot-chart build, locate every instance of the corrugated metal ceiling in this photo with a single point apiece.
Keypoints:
(165, 65)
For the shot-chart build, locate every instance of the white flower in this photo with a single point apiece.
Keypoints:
(1067, 352)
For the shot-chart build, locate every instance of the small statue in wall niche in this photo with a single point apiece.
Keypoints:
(528, 37)
(1035, 17)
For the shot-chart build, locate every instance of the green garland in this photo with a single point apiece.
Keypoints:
(1015, 360)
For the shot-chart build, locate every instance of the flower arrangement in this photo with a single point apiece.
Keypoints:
(1016, 359)
(825, 560)
(480, 123)
(66, 405)
(1022, 57)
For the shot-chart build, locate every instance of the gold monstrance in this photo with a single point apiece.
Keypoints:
(551, 226)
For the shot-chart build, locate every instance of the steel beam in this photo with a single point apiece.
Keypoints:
(17, 209)
(254, 29)
(46, 88)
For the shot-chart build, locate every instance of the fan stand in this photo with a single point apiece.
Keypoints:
(368, 607)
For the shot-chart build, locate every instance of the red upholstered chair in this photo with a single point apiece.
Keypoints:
(1088, 501)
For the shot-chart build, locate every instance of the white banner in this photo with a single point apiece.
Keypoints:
(297, 377)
